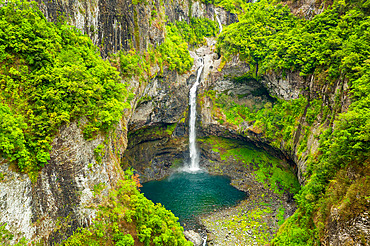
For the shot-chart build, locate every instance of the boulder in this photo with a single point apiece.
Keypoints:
(193, 237)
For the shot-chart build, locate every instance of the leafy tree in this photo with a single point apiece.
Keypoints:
(126, 208)
(50, 75)
(198, 28)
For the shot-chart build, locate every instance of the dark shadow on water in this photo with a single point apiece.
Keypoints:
(189, 195)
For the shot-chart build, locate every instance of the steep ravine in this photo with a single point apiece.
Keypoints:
(335, 96)
(222, 79)
(53, 207)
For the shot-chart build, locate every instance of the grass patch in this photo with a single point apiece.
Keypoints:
(267, 169)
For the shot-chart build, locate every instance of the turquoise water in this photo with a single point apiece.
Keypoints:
(189, 195)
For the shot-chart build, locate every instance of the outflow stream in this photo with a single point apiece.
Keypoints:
(194, 155)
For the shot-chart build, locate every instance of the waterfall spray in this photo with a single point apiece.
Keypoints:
(194, 155)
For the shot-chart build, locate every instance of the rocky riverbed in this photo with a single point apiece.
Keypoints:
(252, 222)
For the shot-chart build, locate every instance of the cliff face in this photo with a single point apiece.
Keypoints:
(110, 24)
(54, 206)
(307, 8)
(114, 25)
(293, 86)
(157, 127)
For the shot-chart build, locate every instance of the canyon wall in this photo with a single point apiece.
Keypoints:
(63, 197)
(114, 25)
(73, 182)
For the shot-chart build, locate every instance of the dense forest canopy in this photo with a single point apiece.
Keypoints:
(50, 75)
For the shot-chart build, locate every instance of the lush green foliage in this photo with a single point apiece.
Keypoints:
(271, 37)
(6, 236)
(132, 63)
(173, 53)
(233, 6)
(50, 75)
(297, 230)
(127, 216)
(12, 139)
(277, 120)
(333, 45)
(260, 36)
(198, 28)
(268, 170)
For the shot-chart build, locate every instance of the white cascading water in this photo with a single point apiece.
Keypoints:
(219, 22)
(194, 156)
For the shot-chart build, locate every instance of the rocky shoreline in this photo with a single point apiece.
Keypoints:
(254, 220)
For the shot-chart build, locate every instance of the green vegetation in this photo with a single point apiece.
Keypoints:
(280, 215)
(170, 128)
(173, 53)
(127, 217)
(198, 28)
(233, 6)
(133, 63)
(252, 222)
(6, 236)
(266, 169)
(269, 37)
(99, 153)
(277, 177)
(277, 121)
(260, 36)
(334, 46)
(98, 188)
(50, 75)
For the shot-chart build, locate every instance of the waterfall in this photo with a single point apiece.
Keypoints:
(219, 22)
(194, 156)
